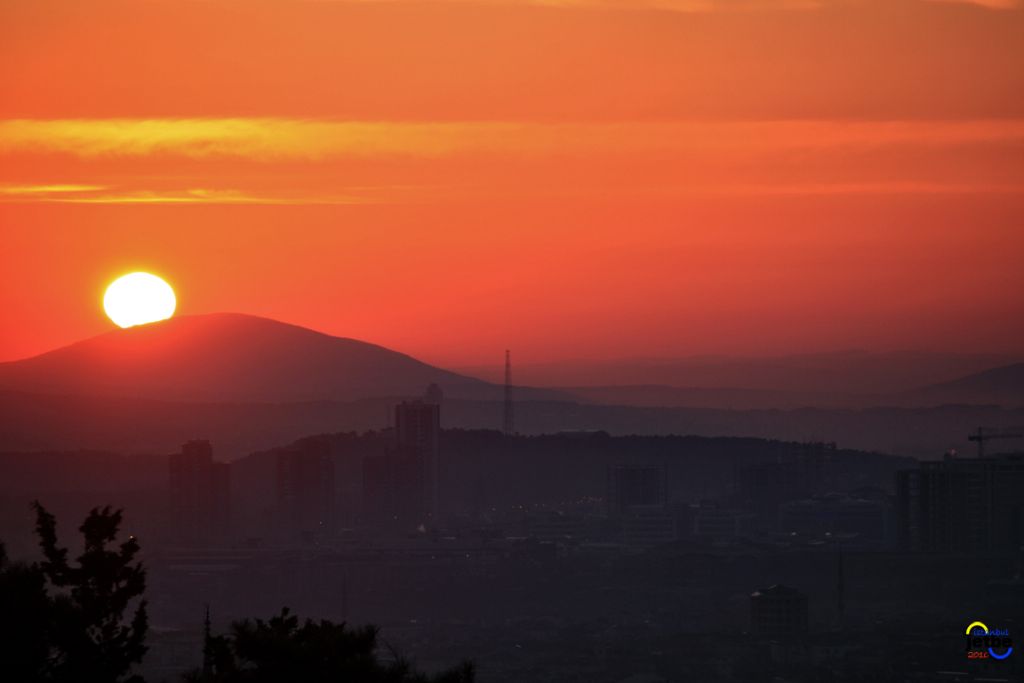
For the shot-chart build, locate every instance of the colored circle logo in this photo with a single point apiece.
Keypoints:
(992, 640)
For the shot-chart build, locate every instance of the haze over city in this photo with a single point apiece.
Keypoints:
(505, 341)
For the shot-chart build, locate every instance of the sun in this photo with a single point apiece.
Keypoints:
(137, 299)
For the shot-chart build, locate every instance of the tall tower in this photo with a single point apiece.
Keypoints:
(199, 489)
(306, 494)
(507, 425)
(418, 433)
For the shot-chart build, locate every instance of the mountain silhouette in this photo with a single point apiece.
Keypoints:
(1002, 386)
(228, 357)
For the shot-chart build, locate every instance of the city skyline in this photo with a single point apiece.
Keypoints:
(505, 341)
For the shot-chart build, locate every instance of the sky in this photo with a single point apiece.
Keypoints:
(566, 178)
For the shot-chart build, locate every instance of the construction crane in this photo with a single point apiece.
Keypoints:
(987, 434)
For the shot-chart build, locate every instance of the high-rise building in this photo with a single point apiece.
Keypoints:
(418, 433)
(199, 490)
(962, 505)
(433, 395)
(394, 490)
(306, 489)
(402, 487)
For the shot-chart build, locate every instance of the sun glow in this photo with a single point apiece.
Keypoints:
(137, 299)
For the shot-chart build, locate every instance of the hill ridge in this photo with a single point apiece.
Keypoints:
(232, 357)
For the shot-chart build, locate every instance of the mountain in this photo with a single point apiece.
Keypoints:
(58, 422)
(227, 357)
(248, 383)
(659, 395)
(999, 386)
(859, 375)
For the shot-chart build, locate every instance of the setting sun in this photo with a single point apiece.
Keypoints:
(137, 299)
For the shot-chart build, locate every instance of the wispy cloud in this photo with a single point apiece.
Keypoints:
(257, 138)
(44, 190)
(276, 139)
(431, 194)
(100, 194)
(286, 161)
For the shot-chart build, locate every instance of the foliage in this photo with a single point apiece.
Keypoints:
(65, 621)
(24, 625)
(282, 649)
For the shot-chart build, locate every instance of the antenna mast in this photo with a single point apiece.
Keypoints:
(507, 425)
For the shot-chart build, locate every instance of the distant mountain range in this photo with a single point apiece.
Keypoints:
(249, 383)
(814, 375)
(227, 357)
(38, 422)
(1001, 386)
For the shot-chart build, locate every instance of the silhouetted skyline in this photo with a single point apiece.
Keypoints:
(511, 341)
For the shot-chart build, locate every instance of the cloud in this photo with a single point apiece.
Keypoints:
(101, 194)
(44, 190)
(256, 138)
(279, 139)
(432, 194)
(287, 161)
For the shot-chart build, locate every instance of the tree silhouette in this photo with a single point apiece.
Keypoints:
(89, 638)
(281, 649)
(64, 622)
(24, 621)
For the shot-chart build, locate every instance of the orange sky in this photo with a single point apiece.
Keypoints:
(591, 178)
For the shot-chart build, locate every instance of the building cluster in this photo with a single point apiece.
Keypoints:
(786, 499)
(956, 505)
(962, 505)
(400, 489)
(370, 533)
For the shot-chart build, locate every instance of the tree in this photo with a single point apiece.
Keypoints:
(282, 649)
(89, 637)
(24, 621)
